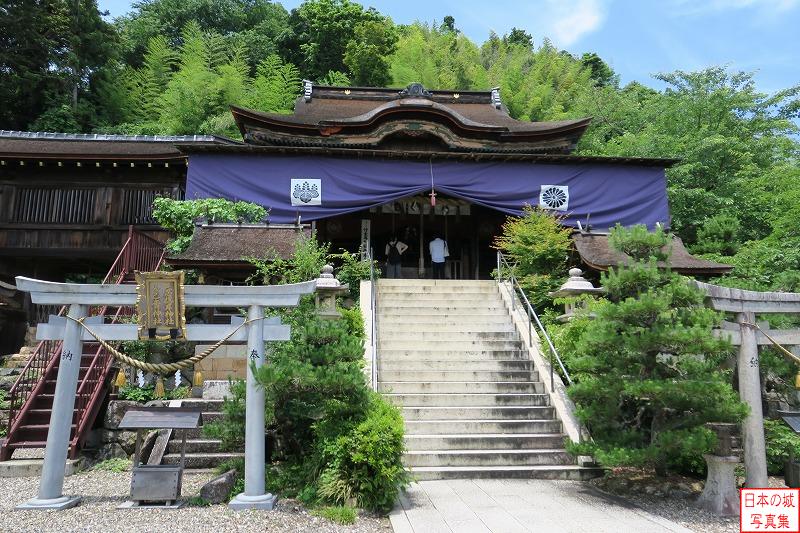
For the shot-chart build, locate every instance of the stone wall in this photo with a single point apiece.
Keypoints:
(227, 361)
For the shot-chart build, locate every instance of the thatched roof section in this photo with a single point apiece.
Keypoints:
(230, 244)
(597, 253)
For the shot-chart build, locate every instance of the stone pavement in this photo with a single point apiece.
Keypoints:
(518, 505)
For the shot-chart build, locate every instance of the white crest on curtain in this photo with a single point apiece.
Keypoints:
(306, 191)
(554, 197)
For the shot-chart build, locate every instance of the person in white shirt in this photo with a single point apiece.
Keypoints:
(439, 253)
(394, 260)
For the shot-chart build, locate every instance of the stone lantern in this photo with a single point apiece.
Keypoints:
(328, 288)
(574, 286)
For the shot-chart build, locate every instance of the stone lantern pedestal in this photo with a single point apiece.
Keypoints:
(720, 495)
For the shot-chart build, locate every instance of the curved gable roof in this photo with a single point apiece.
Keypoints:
(362, 117)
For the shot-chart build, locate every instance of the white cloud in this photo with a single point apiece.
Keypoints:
(571, 20)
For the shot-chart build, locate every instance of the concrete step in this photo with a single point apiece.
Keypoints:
(414, 283)
(409, 374)
(444, 298)
(461, 387)
(450, 309)
(466, 426)
(200, 460)
(386, 293)
(451, 345)
(564, 472)
(465, 337)
(386, 288)
(443, 321)
(389, 355)
(522, 457)
(475, 364)
(468, 400)
(485, 441)
(538, 412)
(194, 446)
(389, 328)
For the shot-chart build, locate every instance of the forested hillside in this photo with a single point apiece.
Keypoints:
(174, 66)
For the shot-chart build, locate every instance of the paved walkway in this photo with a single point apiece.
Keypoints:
(508, 506)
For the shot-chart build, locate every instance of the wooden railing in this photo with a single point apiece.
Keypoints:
(140, 252)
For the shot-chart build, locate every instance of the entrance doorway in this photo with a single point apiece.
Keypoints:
(469, 230)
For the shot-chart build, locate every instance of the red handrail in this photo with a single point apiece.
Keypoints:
(140, 252)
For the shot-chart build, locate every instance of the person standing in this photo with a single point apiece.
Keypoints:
(394, 257)
(439, 254)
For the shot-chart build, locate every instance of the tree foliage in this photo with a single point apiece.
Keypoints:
(538, 246)
(649, 372)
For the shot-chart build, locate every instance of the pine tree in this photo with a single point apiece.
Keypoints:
(650, 371)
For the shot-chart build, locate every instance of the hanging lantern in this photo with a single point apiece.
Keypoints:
(433, 198)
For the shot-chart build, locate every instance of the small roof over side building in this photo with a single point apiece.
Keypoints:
(597, 253)
(226, 245)
(98, 147)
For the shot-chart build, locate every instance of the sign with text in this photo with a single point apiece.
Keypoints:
(769, 510)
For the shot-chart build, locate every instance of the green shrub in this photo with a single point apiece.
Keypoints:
(539, 246)
(230, 427)
(113, 465)
(781, 440)
(351, 270)
(198, 501)
(340, 514)
(146, 394)
(178, 216)
(365, 465)
(305, 264)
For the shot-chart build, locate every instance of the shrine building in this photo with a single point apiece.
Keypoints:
(364, 164)
(355, 165)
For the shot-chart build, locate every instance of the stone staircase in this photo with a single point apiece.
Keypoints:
(473, 403)
(202, 452)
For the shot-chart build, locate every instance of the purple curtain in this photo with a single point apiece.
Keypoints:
(608, 193)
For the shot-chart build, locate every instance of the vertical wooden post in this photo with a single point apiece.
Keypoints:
(755, 454)
(51, 483)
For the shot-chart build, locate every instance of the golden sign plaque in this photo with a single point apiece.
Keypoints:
(160, 305)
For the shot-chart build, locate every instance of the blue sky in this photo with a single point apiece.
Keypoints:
(637, 38)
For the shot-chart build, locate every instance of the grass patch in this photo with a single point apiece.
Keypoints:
(341, 514)
(113, 465)
(198, 501)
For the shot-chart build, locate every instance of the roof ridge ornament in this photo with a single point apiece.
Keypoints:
(415, 90)
(496, 102)
(308, 87)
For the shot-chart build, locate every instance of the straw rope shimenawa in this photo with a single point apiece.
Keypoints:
(162, 368)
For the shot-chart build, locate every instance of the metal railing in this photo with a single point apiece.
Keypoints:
(140, 252)
(504, 267)
(373, 298)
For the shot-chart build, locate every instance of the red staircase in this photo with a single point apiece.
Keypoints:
(31, 397)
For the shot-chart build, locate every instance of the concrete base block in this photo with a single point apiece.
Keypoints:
(216, 389)
(720, 495)
(55, 504)
(33, 467)
(265, 502)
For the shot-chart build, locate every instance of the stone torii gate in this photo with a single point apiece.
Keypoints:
(80, 296)
(745, 334)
